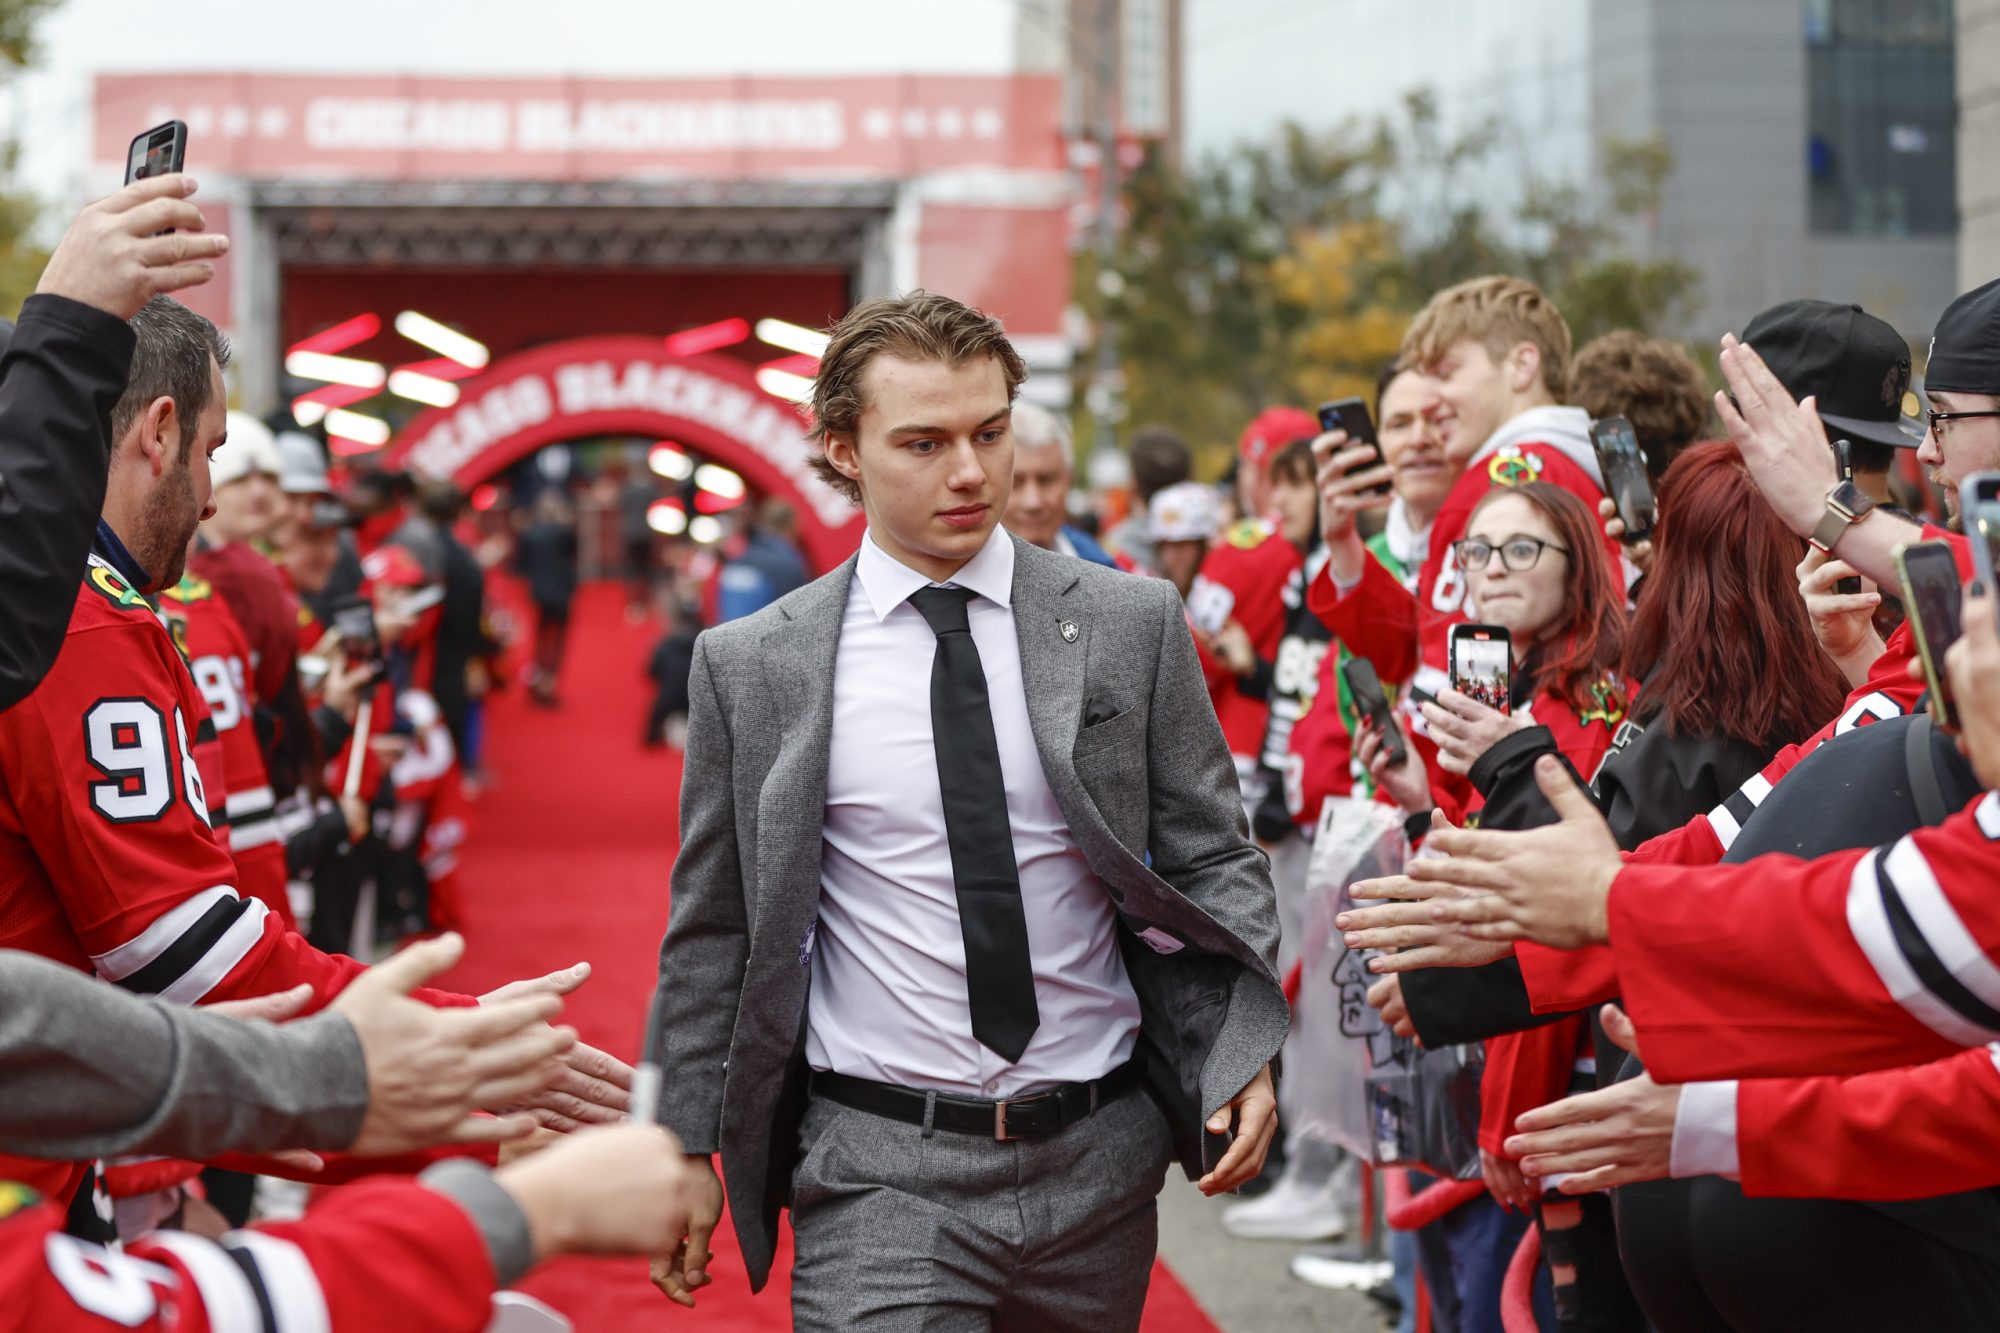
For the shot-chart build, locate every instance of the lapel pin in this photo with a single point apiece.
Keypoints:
(1069, 631)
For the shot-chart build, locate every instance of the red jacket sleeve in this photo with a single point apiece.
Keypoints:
(1560, 980)
(101, 787)
(1524, 1070)
(388, 1255)
(1375, 619)
(1892, 1134)
(1861, 960)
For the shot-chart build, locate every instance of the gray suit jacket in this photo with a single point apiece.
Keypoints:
(1131, 749)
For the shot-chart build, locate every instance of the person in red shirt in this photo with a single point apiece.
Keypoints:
(1497, 354)
(241, 805)
(230, 551)
(108, 862)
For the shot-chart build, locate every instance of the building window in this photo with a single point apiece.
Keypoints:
(1881, 117)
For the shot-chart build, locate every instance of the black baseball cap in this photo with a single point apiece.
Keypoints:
(1965, 349)
(1856, 365)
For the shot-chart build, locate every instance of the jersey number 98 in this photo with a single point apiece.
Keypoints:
(126, 740)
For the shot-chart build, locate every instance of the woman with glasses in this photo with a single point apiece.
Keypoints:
(1534, 564)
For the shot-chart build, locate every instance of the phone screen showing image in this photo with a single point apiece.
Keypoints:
(1482, 666)
(157, 152)
(1983, 522)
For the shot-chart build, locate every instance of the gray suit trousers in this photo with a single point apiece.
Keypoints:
(900, 1231)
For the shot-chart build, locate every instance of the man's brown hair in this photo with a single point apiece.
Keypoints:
(1295, 462)
(171, 351)
(921, 326)
(1498, 313)
(1652, 383)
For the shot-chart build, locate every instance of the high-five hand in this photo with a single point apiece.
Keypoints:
(594, 1087)
(1550, 884)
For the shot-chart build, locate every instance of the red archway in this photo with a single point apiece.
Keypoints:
(588, 387)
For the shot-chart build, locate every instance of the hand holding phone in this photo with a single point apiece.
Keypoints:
(1351, 416)
(1365, 688)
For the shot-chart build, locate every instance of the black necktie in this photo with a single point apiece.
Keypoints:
(998, 977)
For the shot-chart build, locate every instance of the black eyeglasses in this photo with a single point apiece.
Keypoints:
(1517, 554)
(1936, 418)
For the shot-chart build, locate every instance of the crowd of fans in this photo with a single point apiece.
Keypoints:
(241, 751)
(233, 704)
(1722, 688)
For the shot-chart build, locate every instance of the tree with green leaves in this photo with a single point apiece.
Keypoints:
(1287, 272)
(21, 263)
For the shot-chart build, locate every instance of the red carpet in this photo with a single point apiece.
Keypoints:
(568, 860)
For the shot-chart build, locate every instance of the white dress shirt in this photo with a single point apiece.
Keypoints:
(889, 999)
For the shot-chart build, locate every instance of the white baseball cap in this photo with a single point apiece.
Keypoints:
(249, 448)
(301, 466)
(1187, 511)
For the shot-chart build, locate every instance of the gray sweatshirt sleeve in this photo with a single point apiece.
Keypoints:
(500, 1221)
(90, 1070)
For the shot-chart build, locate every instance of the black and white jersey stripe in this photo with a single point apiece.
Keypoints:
(1927, 959)
(188, 950)
(1729, 818)
(253, 818)
(251, 1283)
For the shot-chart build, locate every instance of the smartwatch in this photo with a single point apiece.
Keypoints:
(1846, 505)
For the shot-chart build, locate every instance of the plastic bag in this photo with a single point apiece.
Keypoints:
(1380, 1096)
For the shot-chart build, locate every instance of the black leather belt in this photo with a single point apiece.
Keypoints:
(1034, 1117)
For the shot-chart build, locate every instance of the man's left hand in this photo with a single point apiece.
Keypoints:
(595, 1085)
(1254, 1113)
(1616, 1136)
(1551, 884)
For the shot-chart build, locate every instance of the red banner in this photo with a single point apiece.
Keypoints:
(285, 126)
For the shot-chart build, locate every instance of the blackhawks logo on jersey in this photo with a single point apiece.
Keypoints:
(1607, 704)
(16, 1198)
(1511, 465)
(193, 588)
(1248, 534)
(109, 582)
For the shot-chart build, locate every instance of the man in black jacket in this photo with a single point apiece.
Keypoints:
(62, 371)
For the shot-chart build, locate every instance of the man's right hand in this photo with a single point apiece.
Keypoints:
(682, 1269)
(114, 258)
(1341, 498)
(430, 1069)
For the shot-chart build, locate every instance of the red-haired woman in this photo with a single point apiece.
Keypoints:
(1728, 667)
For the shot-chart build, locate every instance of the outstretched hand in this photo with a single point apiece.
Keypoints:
(594, 1086)
(1616, 1136)
(1551, 884)
(1406, 925)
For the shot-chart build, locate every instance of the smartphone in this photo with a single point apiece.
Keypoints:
(1351, 415)
(1365, 687)
(1932, 594)
(1982, 524)
(160, 151)
(1482, 665)
(353, 619)
(1843, 451)
(1625, 481)
(1420, 695)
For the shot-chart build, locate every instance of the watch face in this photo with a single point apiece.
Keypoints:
(1851, 498)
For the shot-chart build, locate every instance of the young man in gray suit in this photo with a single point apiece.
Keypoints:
(968, 941)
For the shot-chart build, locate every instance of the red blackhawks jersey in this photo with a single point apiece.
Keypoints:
(107, 860)
(1243, 579)
(382, 1255)
(1405, 635)
(242, 808)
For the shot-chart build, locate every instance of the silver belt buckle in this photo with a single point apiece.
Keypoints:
(1000, 1134)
